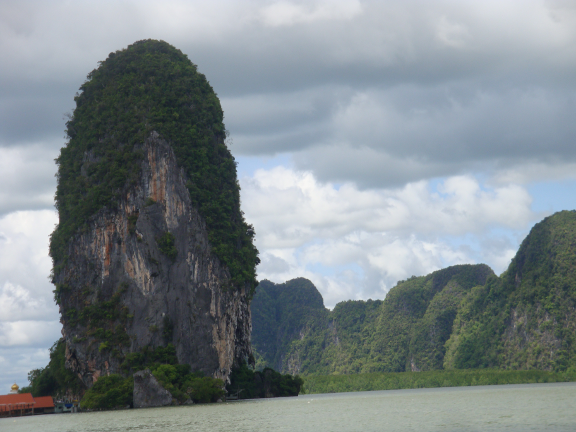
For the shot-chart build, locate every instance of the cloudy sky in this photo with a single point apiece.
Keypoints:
(376, 140)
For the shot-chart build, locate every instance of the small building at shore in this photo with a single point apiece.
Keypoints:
(16, 404)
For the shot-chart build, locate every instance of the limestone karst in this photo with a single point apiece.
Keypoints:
(151, 248)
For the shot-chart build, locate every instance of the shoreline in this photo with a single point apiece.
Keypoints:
(374, 381)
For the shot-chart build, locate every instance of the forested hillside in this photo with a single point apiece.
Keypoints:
(294, 332)
(526, 318)
(460, 317)
(280, 315)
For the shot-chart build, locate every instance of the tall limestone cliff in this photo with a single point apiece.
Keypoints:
(526, 318)
(151, 248)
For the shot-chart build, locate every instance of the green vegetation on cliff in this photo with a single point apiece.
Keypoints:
(416, 317)
(151, 86)
(184, 384)
(178, 379)
(116, 391)
(461, 317)
(279, 315)
(249, 384)
(54, 380)
(293, 331)
(525, 319)
(104, 321)
(109, 392)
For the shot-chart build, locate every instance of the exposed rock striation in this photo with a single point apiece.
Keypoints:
(159, 299)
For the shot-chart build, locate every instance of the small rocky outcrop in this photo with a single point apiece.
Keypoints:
(148, 392)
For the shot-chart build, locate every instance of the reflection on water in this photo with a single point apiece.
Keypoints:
(529, 407)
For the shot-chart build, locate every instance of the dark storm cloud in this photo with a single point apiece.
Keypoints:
(390, 138)
(411, 89)
(30, 119)
(388, 44)
(27, 177)
(414, 91)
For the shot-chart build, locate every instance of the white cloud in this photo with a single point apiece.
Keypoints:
(305, 208)
(29, 333)
(17, 302)
(24, 260)
(357, 243)
(16, 362)
(452, 34)
(27, 178)
(29, 319)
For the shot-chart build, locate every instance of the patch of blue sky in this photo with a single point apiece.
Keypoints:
(511, 235)
(435, 185)
(331, 271)
(469, 243)
(553, 196)
(336, 186)
(486, 247)
(248, 165)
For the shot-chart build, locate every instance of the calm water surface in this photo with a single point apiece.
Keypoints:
(529, 407)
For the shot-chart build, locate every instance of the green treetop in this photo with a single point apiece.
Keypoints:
(151, 86)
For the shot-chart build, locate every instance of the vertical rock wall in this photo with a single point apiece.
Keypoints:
(119, 292)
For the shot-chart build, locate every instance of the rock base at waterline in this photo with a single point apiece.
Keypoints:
(148, 392)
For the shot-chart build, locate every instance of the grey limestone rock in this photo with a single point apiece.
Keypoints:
(183, 300)
(148, 392)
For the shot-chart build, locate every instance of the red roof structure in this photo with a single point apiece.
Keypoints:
(25, 404)
(44, 402)
(16, 402)
(16, 398)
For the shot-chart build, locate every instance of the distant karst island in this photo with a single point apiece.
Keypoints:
(461, 318)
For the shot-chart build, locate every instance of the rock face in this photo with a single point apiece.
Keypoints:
(143, 275)
(526, 318)
(148, 392)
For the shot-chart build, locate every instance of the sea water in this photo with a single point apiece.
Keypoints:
(528, 407)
